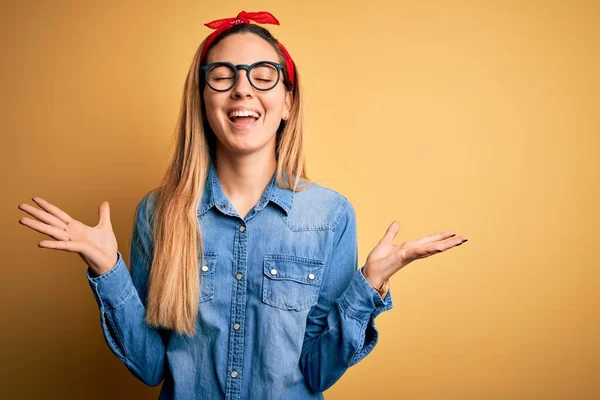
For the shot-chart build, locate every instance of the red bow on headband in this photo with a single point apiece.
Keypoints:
(261, 17)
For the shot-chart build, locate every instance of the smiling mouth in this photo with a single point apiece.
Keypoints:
(243, 118)
(243, 122)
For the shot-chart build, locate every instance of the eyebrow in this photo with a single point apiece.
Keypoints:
(231, 62)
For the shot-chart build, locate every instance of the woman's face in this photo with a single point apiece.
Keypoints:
(246, 135)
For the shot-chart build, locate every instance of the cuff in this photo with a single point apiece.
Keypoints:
(360, 300)
(112, 287)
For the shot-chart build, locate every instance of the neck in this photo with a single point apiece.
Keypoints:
(244, 178)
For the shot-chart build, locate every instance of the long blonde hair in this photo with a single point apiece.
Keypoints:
(174, 286)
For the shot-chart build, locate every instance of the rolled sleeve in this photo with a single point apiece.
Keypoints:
(114, 286)
(361, 301)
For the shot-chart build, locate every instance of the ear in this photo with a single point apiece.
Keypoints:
(287, 106)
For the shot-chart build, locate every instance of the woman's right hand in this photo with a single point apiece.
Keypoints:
(97, 245)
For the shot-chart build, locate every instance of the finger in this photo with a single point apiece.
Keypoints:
(431, 249)
(431, 238)
(41, 215)
(51, 231)
(104, 213)
(391, 233)
(52, 209)
(74, 247)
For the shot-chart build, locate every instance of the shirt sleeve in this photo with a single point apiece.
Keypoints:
(340, 328)
(121, 298)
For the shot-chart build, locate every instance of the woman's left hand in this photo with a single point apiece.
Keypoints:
(387, 258)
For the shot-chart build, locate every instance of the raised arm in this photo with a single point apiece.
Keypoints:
(340, 329)
(121, 298)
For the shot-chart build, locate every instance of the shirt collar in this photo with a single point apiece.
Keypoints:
(213, 194)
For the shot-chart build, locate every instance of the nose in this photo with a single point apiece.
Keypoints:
(242, 88)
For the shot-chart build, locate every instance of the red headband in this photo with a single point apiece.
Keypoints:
(243, 17)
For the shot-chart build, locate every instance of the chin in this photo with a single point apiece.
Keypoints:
(251, 142)
(243, 143)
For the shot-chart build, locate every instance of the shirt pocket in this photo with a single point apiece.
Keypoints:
(207, 276)
(290, 282)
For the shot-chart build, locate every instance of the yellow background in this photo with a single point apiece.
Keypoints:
(478, 117)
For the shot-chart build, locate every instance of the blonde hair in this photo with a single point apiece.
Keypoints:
(174, 286)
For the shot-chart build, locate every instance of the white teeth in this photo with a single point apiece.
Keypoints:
(244, 113)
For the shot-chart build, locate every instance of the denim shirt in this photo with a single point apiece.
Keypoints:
(283, 309)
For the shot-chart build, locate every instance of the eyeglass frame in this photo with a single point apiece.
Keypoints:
(236, 68)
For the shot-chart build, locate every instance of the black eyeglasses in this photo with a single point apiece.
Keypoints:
(222, 76)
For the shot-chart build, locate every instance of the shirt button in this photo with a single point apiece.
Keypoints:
(238, 276)
(242, 228)
(311, 276)
(236, 326)
(205, 268)
(234, 374)
(273, 271)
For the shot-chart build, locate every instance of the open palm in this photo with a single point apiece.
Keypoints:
(387, 258)
(97, 245)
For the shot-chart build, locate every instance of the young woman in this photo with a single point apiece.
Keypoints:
(243, 279)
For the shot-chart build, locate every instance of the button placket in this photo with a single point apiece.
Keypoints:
(238, 276)
(235, 357)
